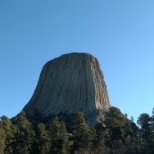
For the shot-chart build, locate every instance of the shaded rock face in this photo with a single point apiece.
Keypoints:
(68, 84)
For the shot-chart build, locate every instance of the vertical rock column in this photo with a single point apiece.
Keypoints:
(70, 83)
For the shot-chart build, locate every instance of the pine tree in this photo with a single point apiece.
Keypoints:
(144, 122)
(57, 132)
(152, 120)
(41, 144)
(118, 125)
(7, 125)
(102, 136)
(151, 136)
(83, 136)
(132, 118)
(2, 139)
(23, 136)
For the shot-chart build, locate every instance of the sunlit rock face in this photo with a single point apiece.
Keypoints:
(70, 83)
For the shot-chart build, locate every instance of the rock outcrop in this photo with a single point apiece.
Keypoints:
(70, 83)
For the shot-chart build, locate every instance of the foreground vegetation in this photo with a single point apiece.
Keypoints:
(116, 134)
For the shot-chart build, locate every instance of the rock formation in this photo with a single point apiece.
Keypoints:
(70, 83)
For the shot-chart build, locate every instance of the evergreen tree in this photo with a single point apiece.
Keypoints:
(118, 125)
(102, 137)
(152, 120)
(132, 118)
(41, 144)
(7, 125)
(57, 132)
(23, 136)
(83, 136)
(2, 139)
(144, 122)
(135, 129)
(151, 136)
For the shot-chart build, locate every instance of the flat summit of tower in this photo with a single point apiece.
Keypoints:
(68, 84)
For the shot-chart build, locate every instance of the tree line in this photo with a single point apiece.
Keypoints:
(115, 134)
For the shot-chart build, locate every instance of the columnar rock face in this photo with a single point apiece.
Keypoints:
(70, 83)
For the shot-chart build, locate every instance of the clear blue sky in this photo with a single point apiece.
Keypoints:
(119, 33)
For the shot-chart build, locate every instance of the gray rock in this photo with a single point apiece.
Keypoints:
(71, 83)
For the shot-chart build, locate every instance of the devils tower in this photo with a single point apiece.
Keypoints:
(70, 83)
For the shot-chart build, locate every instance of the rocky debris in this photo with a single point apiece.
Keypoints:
(70, 83)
